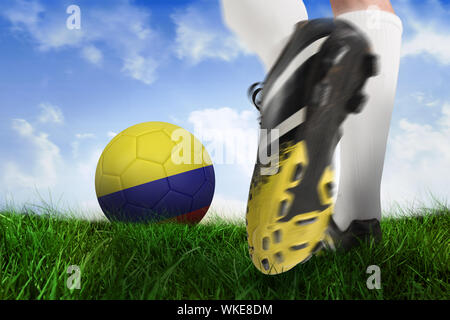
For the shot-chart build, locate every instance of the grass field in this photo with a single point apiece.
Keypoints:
(210, 261)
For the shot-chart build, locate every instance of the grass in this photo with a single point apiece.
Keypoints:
(210, 261)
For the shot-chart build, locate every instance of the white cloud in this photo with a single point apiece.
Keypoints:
(84, 135)
(50, 114)
(111, 134)
(24, 13)
(76, 144)
(418, 161)
(44, 163)
(27, 17)
(198, 36)
(86, 168)
(430, 41)
(75, 147)
(48, 176)
(425, 99)
(140, 68)
(430, 31)
(418, 96)
(229, 136)
(79, 184)
(432, 103)
(226, 208)
(174, 119)
(22, 127)
(121, 28)
(444, 121)
(92, 54)
(13, 177)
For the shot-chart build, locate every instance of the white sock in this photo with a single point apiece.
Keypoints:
(264, 26)
(363, 145)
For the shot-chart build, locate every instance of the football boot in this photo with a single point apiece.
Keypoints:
(315, 83)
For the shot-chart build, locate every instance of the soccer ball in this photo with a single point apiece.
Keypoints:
(153, 172)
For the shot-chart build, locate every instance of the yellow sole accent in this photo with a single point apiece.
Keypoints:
(276, 247)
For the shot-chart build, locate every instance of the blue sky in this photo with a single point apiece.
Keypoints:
(65, 93)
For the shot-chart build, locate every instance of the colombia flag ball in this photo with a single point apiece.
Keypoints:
(153, 172)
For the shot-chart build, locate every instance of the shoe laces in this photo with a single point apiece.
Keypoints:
(254, 94)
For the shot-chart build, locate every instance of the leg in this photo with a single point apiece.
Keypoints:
(263, 26)
(343, 6)
(363, 145)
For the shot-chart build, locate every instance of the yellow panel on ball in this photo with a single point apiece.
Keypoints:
(109, 184)
(119, 155)
(140, 172)
(143, 128)
(149, 142)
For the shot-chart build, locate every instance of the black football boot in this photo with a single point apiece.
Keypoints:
(315, 83)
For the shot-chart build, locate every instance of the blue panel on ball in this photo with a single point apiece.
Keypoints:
(209, 174)
(113, 204)
(204, 196)
(174, 204)
(188, 182)
(147, 195)
(161, 199)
